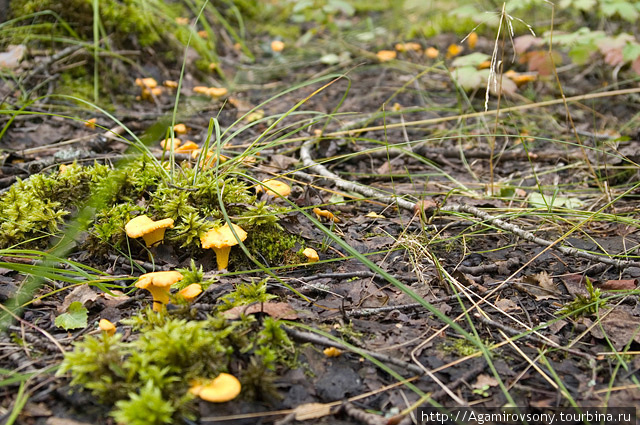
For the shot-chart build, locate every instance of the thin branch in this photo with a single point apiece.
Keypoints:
(305, 156)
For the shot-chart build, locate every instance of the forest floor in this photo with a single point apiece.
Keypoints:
(488, 251)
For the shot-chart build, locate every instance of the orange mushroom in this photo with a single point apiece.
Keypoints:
(107, 327)
(223, 388)
(151, 231)
(221, 240)
(311, 254)
(159, 284)
(190, 292)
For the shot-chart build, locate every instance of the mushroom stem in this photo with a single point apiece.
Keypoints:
(222, 256)
(160, 297)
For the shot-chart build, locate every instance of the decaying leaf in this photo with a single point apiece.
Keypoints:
(485, 380)
(82, 294)
(620, 285)
(540, 286)
(619, 325)
(505, 304)
(275, 310)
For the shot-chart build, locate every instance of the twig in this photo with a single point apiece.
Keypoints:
(305, 156)
(320, 340)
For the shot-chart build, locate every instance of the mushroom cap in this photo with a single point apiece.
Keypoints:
(159, 279)
(180, 129)
(217, 91)
(159, 284)
(151, 231)
(142, 225)
(311, 255)
(222, 237)
(277, 187)
(224, 387)
(190, 292)
(170, 143)
(148, 82)
(187, 147)
(108, 327)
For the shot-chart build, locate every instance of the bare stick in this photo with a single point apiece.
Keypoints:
(305, 156)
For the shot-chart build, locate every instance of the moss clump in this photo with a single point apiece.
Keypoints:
(271, 243)
(120, 19)
(33, 209)
(153, 372)
(36, 208)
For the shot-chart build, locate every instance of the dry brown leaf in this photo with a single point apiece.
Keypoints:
(82, 294)
(620, 285)
(114, 300)
(542, 286)
(505, 304)
(484, 379)
(619, 325)
(275, 310)
(311, 411)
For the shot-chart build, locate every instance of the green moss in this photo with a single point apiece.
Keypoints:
(36, 208)
(153, 371)
(120, 19)
(271, 243)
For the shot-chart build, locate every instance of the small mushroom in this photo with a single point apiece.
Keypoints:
(107, 327)
(326, 214)
(221, 240)
(386, 55)
(277, 46)
(276, 187)
(151, 231)
(187, 147)
(190, 292)
(170, 143)
(180, 129)
(159, 284)
(224, 387)
(311, 254)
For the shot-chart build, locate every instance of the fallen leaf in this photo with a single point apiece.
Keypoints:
(506, 304)
(75, 317)
(541, 286)
(275, 310)
(12, 57)
(521, 44)
(373, 214)
(311, 411)
(620, 285)
(114, 300)
(485, 380)
(619, 325)
(82, 294)
(575, 284)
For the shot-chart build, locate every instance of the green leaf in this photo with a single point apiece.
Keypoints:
(75, 317)
(469, 78)
(580, 54)
(474, 59)
(630, 52)
(626, 10)
(537, 200)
